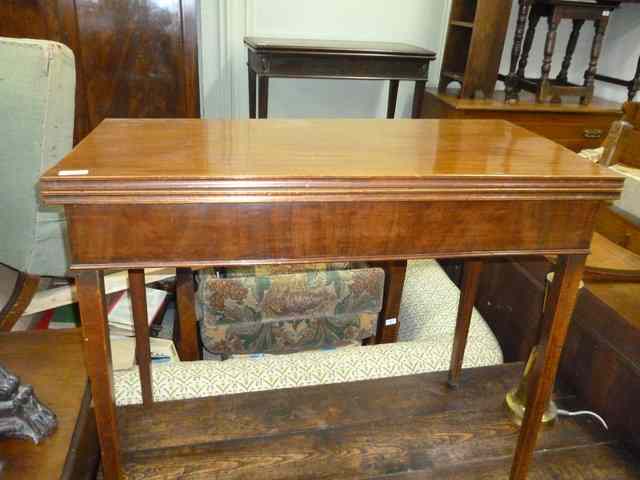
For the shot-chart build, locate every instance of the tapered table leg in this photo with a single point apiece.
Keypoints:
(263, 96)
(418, 97)
(97, 354)
(188, 340)
(252, 92)
(393, 98)
(468, 290)
(556, 319)
(141, 327)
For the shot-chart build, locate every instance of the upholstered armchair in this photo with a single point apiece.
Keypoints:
(37, 98)
(288, 308)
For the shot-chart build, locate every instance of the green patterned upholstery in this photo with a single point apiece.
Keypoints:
(254, 310)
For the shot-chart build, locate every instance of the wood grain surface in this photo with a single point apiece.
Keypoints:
(405, 427)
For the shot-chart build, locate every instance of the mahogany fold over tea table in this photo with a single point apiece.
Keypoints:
(189, 193)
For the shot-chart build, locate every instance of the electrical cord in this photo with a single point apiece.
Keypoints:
(583, 412)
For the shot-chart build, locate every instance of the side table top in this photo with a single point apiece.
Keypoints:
(189, 160)
(336, 46)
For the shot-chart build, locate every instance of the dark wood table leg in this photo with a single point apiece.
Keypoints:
(263, 96)
(634, 85)
(511, 81)
(556, 319)
(141, 327)
(418, 97)
(394, 273)
(252, 92)
(393, 98)
(549, 46)
(468, 290)
(188, 347)
(97, 354)
(571, 48)
(534, 18)
(596, 47)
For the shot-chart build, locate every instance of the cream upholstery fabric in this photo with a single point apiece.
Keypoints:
(427, 317)
(630, 199)
(37, 98)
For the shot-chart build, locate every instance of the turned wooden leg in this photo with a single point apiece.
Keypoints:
(549, 47)
(393, 98)
(511, 81)
(418, 97)
(534, 18)
(468, 290)
(252, 92)
(634, 86)
(394, 273)
(596, 47)
(571, 48)
(97, 354)
(556, 319)
(188, 347)
(263, 96)
(141, 327)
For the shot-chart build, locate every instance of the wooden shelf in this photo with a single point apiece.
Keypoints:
(459, 23)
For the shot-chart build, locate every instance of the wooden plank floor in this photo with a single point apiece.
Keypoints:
(404, 428)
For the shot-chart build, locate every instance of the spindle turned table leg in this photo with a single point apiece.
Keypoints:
(512, 87)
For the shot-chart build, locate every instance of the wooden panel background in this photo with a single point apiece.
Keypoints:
(134, 58)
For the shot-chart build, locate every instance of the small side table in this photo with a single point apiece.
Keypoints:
(555, 11)
(289, 58)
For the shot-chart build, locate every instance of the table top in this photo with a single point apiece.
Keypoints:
(336, 46)
(527, 103)
(47, 360)
(129, 160)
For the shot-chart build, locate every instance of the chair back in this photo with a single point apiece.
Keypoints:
(622, 144)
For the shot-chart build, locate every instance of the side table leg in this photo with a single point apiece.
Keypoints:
(252, 92)
(188, 347)
(544, 90)
(394, 273)
(141, 327)
(418, 97)
(555, 323)
(511, 81)
(97, 354)
(563, 76)
(534, 18)
(634, 85)
(263, 96)
(393, 98)
(468, 290)
(596, 46)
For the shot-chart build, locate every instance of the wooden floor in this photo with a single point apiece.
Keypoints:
(405, 428)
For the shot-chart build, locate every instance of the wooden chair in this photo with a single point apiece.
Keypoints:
(615, 253)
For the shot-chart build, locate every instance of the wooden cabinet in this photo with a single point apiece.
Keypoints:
(475, 38)
(133, 58)
(572, 125)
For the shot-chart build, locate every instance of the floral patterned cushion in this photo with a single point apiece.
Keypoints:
(288, 312)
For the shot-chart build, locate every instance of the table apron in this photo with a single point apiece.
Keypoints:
(338, 66)
(110, 236)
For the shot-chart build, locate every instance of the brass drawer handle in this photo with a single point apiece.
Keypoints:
(593, 133)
